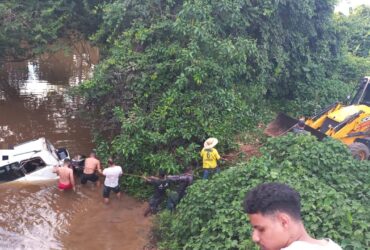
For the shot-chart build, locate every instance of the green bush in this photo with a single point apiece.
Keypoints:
(177, 72)
(329, 160)
(211, 215)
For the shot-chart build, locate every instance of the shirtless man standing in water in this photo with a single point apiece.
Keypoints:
(91, 166)
(66, 178)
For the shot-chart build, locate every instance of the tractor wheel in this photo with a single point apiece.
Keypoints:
(359, 151)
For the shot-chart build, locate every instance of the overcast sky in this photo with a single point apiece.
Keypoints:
(344, 5)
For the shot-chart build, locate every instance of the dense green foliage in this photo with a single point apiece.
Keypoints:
(351, 44)
(334, 189)
(177, 72)
(354, 31)
(26, 27)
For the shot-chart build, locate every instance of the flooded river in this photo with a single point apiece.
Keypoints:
(34, 103)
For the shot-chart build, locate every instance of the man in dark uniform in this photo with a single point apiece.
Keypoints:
(160, 184)
(184, 180)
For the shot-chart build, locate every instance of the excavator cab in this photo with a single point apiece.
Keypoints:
(363, 92)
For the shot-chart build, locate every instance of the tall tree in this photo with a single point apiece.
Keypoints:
(27, 26)
(179, 71)
(354, 32)
(356, 27)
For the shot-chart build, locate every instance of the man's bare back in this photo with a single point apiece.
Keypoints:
(66, 178)
(65, 175)
(91, 165)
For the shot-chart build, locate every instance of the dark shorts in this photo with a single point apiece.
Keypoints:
(173, 200)
(106, 190)
(89, 177)
(154, 203)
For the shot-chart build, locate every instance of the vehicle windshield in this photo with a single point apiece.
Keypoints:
(363, 93)
(51, 149)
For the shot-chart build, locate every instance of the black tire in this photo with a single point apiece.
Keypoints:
(359, 151)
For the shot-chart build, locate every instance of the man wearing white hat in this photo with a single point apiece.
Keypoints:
(210, 156)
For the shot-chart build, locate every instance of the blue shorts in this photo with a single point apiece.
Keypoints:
(208, 171)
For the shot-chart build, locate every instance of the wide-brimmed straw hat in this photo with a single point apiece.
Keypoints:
(210, 143)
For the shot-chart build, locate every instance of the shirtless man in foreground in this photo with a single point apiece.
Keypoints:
(92, 165)
(66, 178)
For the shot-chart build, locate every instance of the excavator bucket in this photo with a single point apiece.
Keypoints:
(281, 125)
(284, 124)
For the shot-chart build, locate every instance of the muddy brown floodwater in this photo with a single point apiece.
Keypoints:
(39, 216)
(119, 225)
(33, 104)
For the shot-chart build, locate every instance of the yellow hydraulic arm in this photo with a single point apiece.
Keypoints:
(316, 121)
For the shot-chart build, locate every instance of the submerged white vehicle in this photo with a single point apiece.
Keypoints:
(31, 161)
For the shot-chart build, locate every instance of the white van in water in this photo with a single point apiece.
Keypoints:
(31, 161)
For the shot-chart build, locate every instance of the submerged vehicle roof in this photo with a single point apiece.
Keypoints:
(34, 148)
(32, 160)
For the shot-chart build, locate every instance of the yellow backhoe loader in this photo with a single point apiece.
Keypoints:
(347, 123)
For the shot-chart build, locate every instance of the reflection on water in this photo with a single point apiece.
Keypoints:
(31, 216)
(33, 100)
(33, 103)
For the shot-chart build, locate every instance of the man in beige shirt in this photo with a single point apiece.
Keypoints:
(92, 165)
(66, 178)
